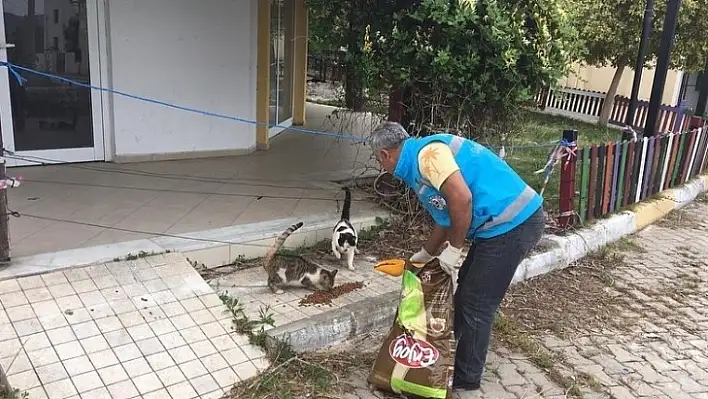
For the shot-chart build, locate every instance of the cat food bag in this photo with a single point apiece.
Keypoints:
(417, 357)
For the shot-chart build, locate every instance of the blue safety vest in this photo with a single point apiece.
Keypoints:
(501, 200)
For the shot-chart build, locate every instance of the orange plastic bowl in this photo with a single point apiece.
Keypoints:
(392, 267)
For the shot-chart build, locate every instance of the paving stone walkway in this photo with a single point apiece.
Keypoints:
(662, 353)
(146, 328)
(508, 376)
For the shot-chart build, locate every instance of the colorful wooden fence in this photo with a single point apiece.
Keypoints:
(612, 176)
(670, 119)
(589, 103)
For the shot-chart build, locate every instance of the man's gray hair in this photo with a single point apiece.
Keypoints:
(388, 136)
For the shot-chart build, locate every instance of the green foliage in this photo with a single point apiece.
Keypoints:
(465, 63)
(691, 44)
(255, 330)
(327, 28)
(339, 27)
(611, 31)
(13, 394)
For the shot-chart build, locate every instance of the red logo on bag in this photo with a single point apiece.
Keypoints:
(414, 353)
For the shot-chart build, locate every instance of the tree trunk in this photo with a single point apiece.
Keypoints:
(395, 105)
(354, 79)
(609, 103)
(399, 103)
(702, 85)
(353, 87)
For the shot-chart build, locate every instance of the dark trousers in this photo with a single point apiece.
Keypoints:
(483, 280)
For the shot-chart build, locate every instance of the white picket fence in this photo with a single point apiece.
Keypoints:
(571, 100)
(586, 104)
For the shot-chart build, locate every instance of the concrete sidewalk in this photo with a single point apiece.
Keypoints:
(147, 328)
(187, 196)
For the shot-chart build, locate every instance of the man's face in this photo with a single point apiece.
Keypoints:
(387, 159)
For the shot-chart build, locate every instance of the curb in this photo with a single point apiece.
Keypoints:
(336, 326)
(339, 325)
(574, 246)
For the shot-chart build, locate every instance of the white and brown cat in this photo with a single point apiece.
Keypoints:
(284, 270)
(344, 235)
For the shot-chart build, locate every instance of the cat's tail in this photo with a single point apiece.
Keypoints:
(347, 203)
(270, 255)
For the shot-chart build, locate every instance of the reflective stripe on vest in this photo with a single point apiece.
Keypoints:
(456, 144)
(512, 210)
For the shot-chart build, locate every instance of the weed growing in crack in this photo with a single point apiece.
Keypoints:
(199, 267)
(255, 330)
(590, 381)
(290, 374)
(509, 333)
(139, 255)
(13, 394)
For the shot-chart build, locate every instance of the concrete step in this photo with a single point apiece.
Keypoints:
(211, 248)
(317, 326)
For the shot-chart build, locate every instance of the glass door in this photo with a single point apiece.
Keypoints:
(42, 116)
(282, 33)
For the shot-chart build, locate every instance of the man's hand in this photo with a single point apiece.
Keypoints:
(449, 258)
(418, 260)
(436, 239)
(421, 256)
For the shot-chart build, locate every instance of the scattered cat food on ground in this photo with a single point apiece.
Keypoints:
(326, 297)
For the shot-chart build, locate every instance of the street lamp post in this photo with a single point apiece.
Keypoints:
(662, 65)
(639, 66)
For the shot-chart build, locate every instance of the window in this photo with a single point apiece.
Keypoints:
(56, 42)
(56, 17)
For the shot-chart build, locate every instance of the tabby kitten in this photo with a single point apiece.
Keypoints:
(286, 270)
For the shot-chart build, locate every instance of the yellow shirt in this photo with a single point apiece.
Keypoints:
(437, 163)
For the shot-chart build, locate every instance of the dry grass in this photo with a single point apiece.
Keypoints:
(322, 374)
(578, 298)
(508, 334)
(689, 217)
(314, 375)
(566, 303)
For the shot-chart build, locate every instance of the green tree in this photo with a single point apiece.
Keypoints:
(339, 26)
(611, 31)
(690, 50)
(463, 64)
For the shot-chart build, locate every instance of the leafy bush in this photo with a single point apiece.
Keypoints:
(467, 65)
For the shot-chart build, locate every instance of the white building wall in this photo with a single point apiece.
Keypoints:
(197, 54)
